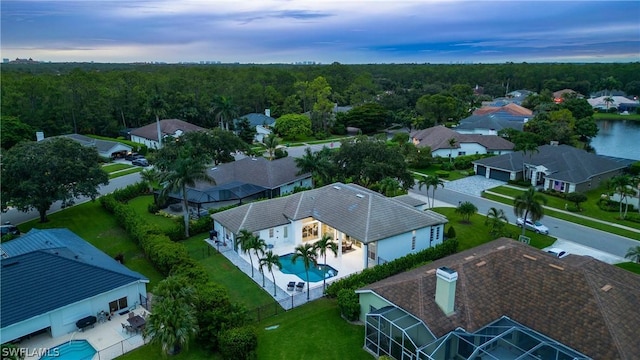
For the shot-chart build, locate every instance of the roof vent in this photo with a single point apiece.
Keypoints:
(529, 257)
(431, 271)
(336, 187)
(556, 267)
(254, 159)
(606, 288)
(214, 168)
(360, 196)
(469, 257)
(481, 263)
(501, 247)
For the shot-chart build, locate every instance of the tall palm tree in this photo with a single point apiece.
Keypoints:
(244, 239)
(185, 172)
(527, 148)
(307, 253)
(434, 182)
(321, 246)
(317, 163)
(271, 142)
(452, 144)
(529, 205)
(424, 181)
(258, 246)
(157, 107)
(150, 177)
(269, 261)
(633, 254)
(496, 220)
(224, 111)
(621, 184)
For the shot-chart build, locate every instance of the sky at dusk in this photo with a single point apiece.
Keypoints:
(323, 31)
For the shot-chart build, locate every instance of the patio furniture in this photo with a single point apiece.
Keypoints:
(131, 314)
(86, 322)
(137, 322)
(300, 286)
(291, 285)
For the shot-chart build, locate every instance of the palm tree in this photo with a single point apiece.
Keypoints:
(424, 181)
(258, 246)
(321, 246)
(157, 106)
(633, 254)
(527, 148)
(307, 253)
(496, 220)
(185, 172)
(529, 205)
(224, 111)
(608, 101)
(621, 184)
(466, 209)
(271, 142)
(318, 164)
(245, 239)
(434, 182)
(389, 186)
(269, 261)
(150, 177)
(452, 144)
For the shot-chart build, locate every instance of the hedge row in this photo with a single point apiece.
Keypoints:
(379, 272)
(168, 257)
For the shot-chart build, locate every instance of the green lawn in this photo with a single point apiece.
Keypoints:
(631, 266)
(431, 171)
(115, 167)
(125, 172)
(140, 205)
(477, 233)
(605, 116)
(312, 331)
(147, 352)
(94, 224)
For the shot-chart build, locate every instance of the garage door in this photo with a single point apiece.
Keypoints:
(482, 170)
(499, 175)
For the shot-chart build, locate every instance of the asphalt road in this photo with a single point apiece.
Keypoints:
(597, 239)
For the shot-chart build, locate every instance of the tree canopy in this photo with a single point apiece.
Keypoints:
(37, 174)
(293, 126)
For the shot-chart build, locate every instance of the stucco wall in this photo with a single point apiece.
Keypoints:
(369, 299)
(400, 245)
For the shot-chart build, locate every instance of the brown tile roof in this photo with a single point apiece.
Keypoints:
(437, 138)
(167, 127)
(511, 108)
(586, 304)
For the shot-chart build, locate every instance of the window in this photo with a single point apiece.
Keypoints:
(310, 231)
(285, 231)
(119, 304)
(372, 251)
(438, 233)
(413, 243)
(271, 232)
(431, 235)
(461, 153)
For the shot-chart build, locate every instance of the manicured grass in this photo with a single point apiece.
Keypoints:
(631, 266)
(140, 205)
(115, 167)
(147, 352)
(95, 225)
(312, 331)
(605, 116)
(476, 233)
(125, 172)
(431, 171)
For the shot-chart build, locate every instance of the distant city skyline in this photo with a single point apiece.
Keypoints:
(306, 31)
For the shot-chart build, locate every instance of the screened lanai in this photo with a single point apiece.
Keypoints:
(221, 195)
(392, 331)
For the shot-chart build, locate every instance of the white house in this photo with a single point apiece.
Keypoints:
(382, 228)
(445, 142)
(148, 134)
(52, 278)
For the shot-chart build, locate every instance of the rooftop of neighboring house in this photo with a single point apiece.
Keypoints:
(511, 108)
(168, 127)
(257, 171)
(363, 214)
(492, 122)
(438, 137)
(579, 301)
(102, 146)
(256, 119)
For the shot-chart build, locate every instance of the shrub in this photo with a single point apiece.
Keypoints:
(349, 304)
(119, 258)
(442, 174)
(451, 233)
(238, 343)
(447, 166)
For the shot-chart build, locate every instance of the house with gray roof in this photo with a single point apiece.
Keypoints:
(382, 228)
(438, 138)
(504, 300)
(490, 124)
(262, 123)
(52, 278)
(148, 134)
(562, 168)
(106, 148)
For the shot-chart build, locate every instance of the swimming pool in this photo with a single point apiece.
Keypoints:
(316, 273)
(72, 350)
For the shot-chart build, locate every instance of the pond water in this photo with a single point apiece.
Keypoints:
(618, 138)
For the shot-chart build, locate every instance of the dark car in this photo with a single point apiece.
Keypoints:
(132, 156)
(9, 229)
(140, 162)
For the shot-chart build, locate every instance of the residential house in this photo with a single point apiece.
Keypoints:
(559, 167)
(504, 300)
(246, 180)
(445, 142)
(52, 278)
(622, 103)
(149, 134)
(262, 123)
(558, 96)
(507, 110)
(381, 228)
(106, 148)
(490, 124)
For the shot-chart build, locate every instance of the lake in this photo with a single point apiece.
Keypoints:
(619, 138)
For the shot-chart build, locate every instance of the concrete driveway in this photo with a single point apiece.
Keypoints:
(472, 185)
(578, 249)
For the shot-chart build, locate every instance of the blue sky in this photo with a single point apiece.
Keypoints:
(324, 31)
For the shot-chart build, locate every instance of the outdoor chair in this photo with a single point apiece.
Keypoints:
(131, 314)
(291, 285)
(300, 286)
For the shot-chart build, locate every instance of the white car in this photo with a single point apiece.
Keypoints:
(557, 252)
(535, 226)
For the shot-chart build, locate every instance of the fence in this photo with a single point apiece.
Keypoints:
(122, 347)
(202, 252)
(282, 305)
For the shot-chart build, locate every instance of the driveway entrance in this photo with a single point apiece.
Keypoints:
(473, 185)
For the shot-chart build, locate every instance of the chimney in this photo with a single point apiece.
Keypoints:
(446, 289)
(267, 112)
(554, 143)
(39, 135)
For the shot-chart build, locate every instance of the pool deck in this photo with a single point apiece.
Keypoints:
(108, 338)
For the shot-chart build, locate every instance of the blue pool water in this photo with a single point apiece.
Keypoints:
(72, 350)
(316, 273)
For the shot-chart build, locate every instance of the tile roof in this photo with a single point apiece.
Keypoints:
(256, 119)
(437, 138)
(357, 211)
(167, 127)
(511, 108)
(103, 146)
(257, 171)
(40, 281)
(586, 304)
(491, 122)
(564, 162)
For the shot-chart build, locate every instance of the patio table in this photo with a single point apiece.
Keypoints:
(137, 322)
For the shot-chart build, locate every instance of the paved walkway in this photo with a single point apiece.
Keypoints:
(472, 185)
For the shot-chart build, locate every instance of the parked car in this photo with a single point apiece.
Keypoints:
(140, 162)
(9, 229)
(533, 225)
(132, 156)
(557, 252)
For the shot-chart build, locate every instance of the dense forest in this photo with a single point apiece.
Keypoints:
(102, 99)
